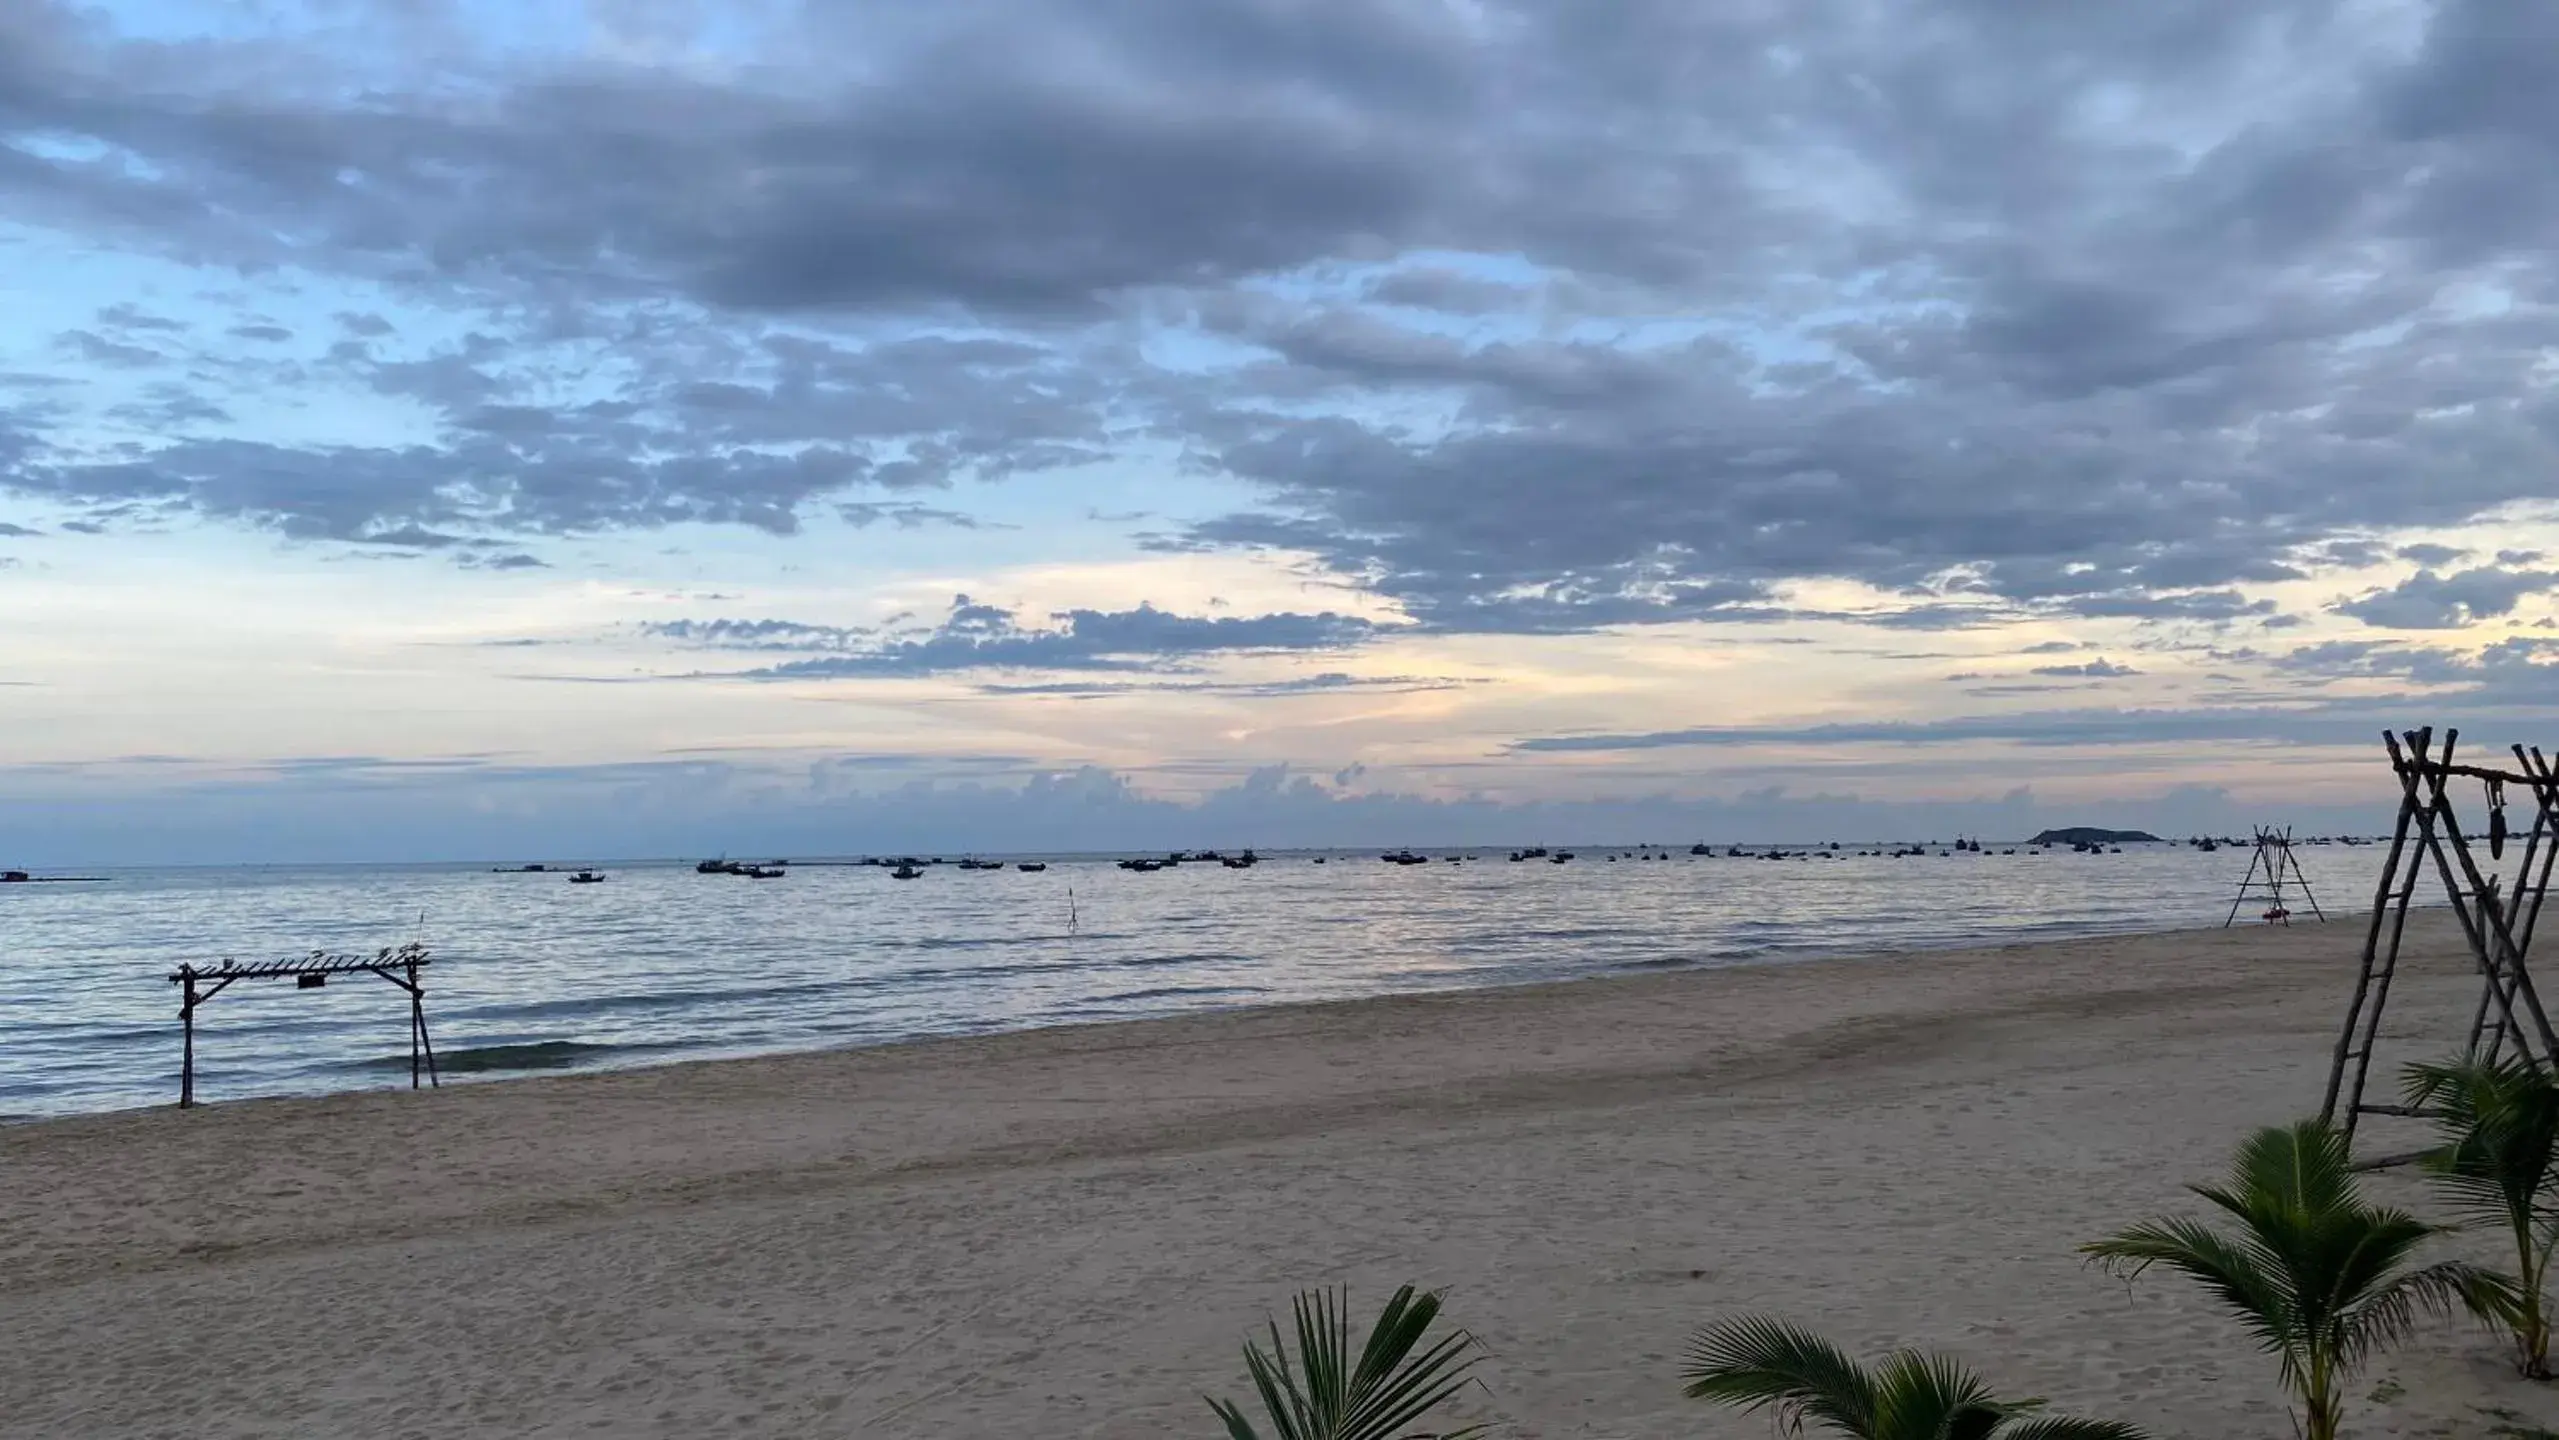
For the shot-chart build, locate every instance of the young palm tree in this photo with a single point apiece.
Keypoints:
(1332, 1392)
(2500, 1123)
(2322, 1279)
(1758, 1363)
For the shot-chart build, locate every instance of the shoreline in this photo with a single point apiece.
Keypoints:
(1069, 1230)
(656, 1055)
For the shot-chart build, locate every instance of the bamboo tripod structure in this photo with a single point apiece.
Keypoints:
(2274, 860)
(2498, 928)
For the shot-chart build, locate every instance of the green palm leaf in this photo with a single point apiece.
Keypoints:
(2499, 1123)
(1759, 1363)
(2242, 1275)
(2068, 1427)
(1327, 1390)
(2321, 1279)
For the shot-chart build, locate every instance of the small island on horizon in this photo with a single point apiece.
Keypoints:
(2091, 835)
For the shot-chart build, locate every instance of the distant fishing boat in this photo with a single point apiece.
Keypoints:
(906, 872)
(1032, 867)
(716, 867)
(586, 877)
(759, 872)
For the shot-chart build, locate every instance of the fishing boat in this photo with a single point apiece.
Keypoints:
(905, 872)
(586, 877)
(1032, 867)
(759, 872)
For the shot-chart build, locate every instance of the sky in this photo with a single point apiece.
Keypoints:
(468, 428)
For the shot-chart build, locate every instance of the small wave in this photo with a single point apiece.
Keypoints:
(1665, 962)
(1173, 992)
(532, 1055)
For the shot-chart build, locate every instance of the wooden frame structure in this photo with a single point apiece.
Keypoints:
(311, 972)
(2275, 861)
(2498, 927)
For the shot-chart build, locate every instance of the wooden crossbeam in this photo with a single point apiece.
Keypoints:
(318, 962)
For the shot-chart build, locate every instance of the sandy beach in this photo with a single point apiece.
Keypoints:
(1068, 1232)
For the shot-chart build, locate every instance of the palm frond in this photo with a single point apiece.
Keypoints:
(1758, 1362)
(1320, 1392)
(2069, 1427)
(2390, 1312)
(2301, 1167)
(2322, 1278)
(2241, 1276)
(1934, 1395)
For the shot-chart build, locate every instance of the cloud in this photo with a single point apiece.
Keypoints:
(1447, 291)
(977, 636)
(2517, 673)
(412, 537)
(2428, 601)
(1326, 683)
(2094, 670)
(16, 532)
(2069, 313)
(2340, 722)
(126, 316)
(756, 634)
(862, 515)
(115, 354)
(269, 334)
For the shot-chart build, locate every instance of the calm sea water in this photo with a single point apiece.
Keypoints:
(660, 963)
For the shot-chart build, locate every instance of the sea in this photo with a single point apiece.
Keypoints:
(530, 973)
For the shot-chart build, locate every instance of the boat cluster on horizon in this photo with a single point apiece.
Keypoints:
(1147, 866)
(746, 870)
(914, 867)
(2210, 843)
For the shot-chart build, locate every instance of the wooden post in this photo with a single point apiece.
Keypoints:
(419, 1040)
(186, 1019)
(2389, 905)
(2302, 880)
(2398, 911)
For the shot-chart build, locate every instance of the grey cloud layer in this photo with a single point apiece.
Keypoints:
(978, 636)
(2428, 601)
(2065, 308)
